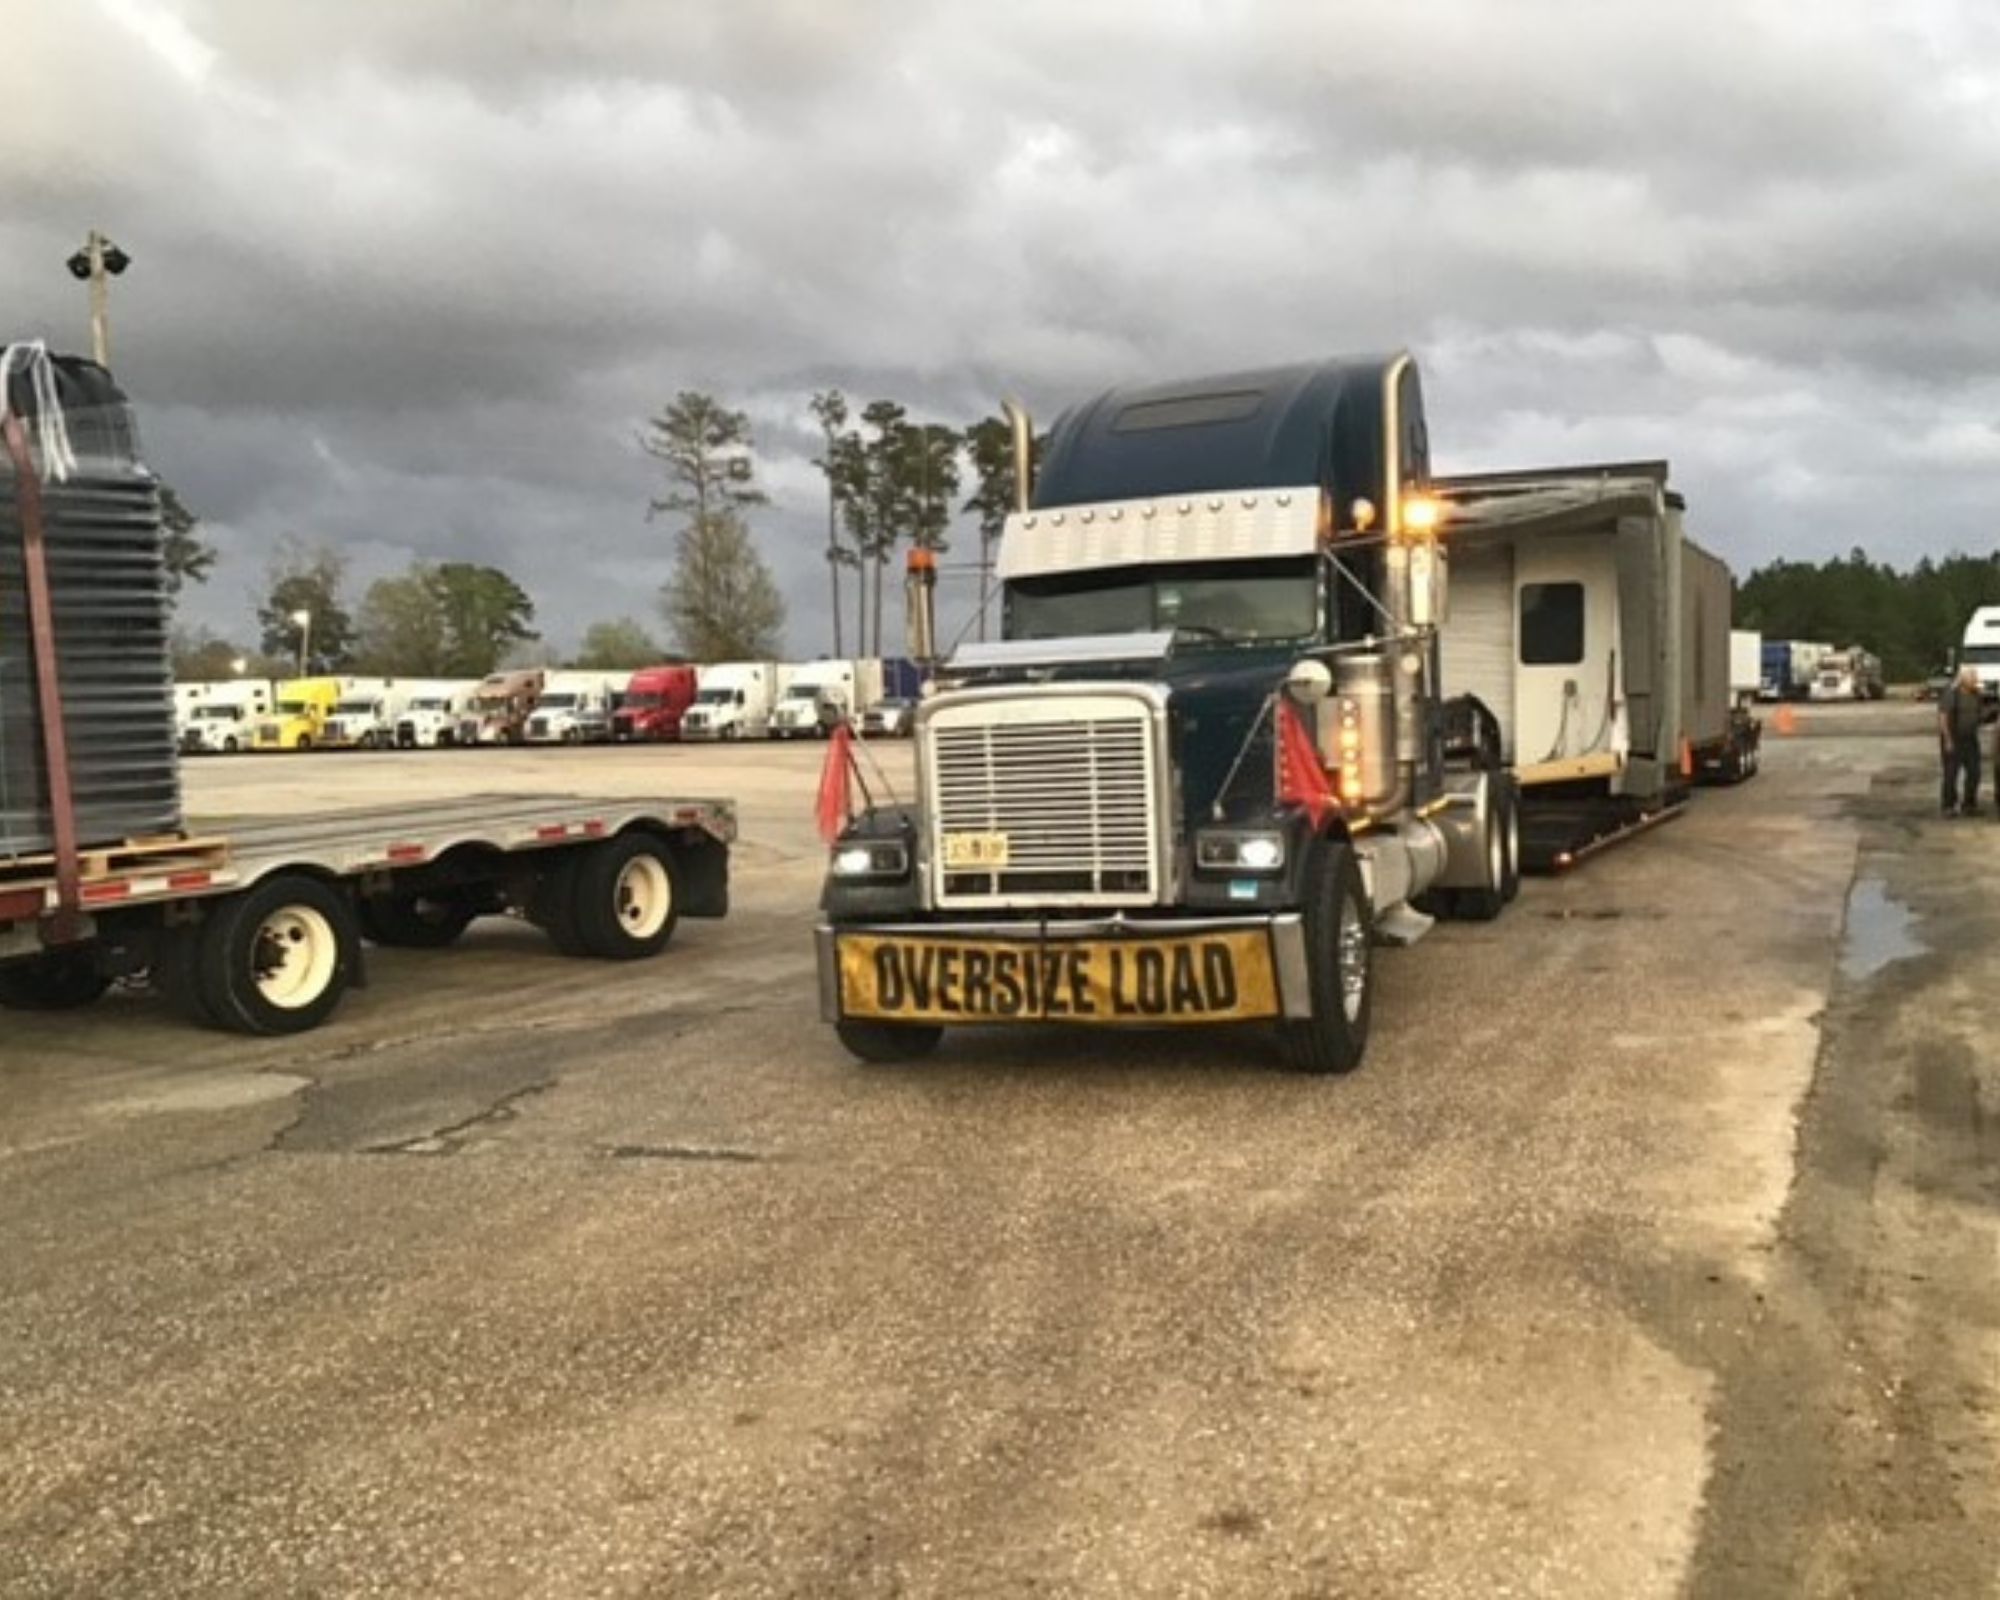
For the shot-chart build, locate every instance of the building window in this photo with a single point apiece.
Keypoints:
(1551, 624)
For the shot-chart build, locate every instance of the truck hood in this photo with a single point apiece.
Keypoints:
(1215, 694)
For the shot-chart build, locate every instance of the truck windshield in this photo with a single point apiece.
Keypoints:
(1272, 600)
(644, 700)
(557, 702)
(1980, 655)
(715, 697)
(356, 708)
(430, 705)
(220, 713)
(292, 708)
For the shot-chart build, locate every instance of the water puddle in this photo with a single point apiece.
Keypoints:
(1878, 931)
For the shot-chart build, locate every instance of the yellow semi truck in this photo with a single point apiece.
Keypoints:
(299, 719)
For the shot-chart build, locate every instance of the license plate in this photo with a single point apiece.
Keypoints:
(975, 852)
(1198, 977)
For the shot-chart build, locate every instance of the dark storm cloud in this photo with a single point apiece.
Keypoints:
(409, 277)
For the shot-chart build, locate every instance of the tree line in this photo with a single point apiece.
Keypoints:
(890, 480)
(1912, 619)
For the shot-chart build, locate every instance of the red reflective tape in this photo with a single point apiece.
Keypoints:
(594, 828)
(406, 852)
(552, 830)
(117, 890)
(21, 903)
(189, 880)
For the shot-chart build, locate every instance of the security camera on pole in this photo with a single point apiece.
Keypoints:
(96, 264)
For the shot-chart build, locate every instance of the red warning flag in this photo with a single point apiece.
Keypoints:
(1301, 779)
(836, 804)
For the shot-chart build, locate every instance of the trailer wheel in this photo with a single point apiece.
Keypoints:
(277, 958)
(624, 898)
(1339, 965)
(886, 1043)
(414, 921)
(56, 980)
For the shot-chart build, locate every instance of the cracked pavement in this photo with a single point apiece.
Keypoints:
(1651, 1253)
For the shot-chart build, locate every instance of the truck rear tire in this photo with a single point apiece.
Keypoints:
(1501, 844)
(623, 898)
(1511, 887)
(56, 980)
(886, 1043)
(414, 921)
(1339, 965)
(277, 958)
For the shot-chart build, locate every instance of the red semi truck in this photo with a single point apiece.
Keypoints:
(653, 703)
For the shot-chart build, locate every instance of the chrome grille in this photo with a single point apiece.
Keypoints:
(1073, 795)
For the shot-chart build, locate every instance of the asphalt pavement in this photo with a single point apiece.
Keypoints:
(1652, 1251)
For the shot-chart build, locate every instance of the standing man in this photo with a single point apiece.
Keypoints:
(1958, 743)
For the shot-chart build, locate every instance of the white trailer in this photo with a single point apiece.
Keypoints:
(820, 695)
(1597, 636)
(575, 708)
(259, 929)
(1746, 665)
(435, 713)
(733, 700)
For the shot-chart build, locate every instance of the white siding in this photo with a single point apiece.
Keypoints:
(1478, 641)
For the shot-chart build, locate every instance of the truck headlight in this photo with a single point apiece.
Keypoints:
(1261, 851)
(872, 858)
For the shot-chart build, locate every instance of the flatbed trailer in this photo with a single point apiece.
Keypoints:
(257, 926)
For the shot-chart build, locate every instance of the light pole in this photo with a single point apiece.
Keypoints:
(95, 264)
(303, 620)
(239, 666)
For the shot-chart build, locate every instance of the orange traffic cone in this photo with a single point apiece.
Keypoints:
(1785, 721)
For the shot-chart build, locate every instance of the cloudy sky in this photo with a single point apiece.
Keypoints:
(408, 274)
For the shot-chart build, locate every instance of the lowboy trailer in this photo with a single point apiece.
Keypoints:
(259, 930)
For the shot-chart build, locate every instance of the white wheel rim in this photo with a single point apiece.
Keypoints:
(294, 957)
(644, 895)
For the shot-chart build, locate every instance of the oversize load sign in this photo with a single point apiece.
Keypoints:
(1211, 977)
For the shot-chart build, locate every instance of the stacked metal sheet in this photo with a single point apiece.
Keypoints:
(108, 586)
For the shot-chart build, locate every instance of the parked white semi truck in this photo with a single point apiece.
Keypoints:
(219, 721)
(733, 700)
(436, 714)
(1851, 674)
(823, 694)
(365, 716)
(575, 708)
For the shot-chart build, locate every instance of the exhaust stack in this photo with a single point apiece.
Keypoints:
(1024, 451)
(920, 606)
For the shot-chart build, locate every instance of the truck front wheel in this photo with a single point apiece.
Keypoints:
(888, 1042)
(1339, 965)
(56, 980)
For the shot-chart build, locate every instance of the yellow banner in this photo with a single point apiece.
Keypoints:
(1198, 977)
